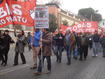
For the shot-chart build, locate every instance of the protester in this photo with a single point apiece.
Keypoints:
(84, 47)
(78, 43)
(1, 47)
(7, 41)
(19, 48)
(59, 39)
(102, 41)
(95, 39)
(29, 38)
(67, 46)
(36, 47)
(73, 45)
(45, 52)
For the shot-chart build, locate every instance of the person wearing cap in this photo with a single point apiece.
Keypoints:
(7, 41)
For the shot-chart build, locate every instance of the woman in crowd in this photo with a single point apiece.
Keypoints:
(19, 48)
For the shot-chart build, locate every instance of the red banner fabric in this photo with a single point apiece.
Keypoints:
(85, 27)
(63, 28)
(22, 12)
(5, 18)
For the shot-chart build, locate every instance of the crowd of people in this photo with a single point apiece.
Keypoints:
(44, 43)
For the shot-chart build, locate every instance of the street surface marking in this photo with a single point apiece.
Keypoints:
(12, 69)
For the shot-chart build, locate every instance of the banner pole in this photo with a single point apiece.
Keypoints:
(42, 50)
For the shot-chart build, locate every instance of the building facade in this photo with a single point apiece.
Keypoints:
(64, 16)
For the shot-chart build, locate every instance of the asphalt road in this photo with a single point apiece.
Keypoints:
(92, 68)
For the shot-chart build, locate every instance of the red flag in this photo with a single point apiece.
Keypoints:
(22, 11)
(5, 18)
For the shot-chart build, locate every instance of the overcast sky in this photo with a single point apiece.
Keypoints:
(75, 5)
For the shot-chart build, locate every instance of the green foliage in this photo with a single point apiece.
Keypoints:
(90, 14)
(52, 23)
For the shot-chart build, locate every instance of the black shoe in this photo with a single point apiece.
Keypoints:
(24, 63)
(15, 64)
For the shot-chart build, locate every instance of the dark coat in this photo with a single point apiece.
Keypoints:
(7, 41)
(20, 44)
(84, 41)
(2, 44)
(96, 38)
(59, 42)
(102, 41)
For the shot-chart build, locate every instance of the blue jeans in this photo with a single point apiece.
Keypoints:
(103, 51)
(59, 50)
(68, 54)
(95, 48)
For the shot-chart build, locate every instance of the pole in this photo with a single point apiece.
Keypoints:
(41, 47)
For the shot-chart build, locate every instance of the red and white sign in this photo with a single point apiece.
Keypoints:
(22, 12)
(85, 26)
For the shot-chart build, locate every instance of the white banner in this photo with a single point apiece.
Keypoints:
(41, 17)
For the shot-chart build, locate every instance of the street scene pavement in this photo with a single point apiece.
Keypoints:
(92, 68)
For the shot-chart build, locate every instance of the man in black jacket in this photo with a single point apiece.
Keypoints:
(7, 41)
(59, 39)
